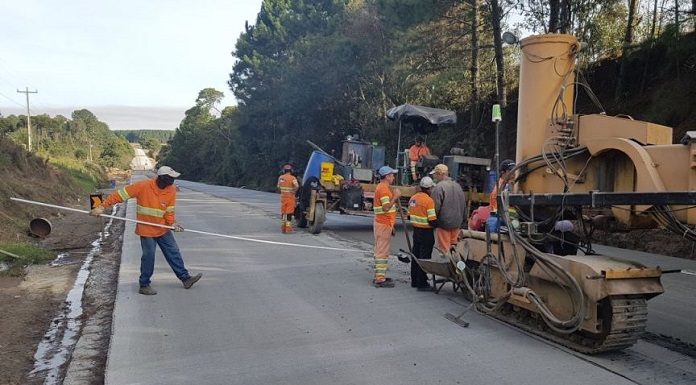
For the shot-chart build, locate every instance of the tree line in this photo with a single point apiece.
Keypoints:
(325, 69)
(82, 138)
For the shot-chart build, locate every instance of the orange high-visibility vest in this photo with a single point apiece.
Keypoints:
(154, 205)
(421, 210)
(287, 184)
(384, 195)
(415, 152)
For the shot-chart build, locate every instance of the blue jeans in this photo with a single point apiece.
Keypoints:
(169, 248)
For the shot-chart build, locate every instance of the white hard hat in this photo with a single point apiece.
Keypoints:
(166, 170)
(426, 182)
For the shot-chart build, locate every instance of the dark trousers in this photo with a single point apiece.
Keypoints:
(423, 242)
(171, 252)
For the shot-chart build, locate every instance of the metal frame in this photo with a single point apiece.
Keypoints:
(605, 199)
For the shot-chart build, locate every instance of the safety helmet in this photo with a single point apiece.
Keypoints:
(426, 182)
(287, 167)
(507, 165)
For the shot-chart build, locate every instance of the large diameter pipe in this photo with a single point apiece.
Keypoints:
(546, 80)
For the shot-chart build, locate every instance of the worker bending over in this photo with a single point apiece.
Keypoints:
(287, 185)
(155, 199)
(414, 154)
(385, 218)
(421, 211)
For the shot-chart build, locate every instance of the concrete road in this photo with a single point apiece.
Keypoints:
(268, 313)
(141, 161)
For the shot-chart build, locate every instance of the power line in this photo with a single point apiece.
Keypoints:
(27, 92)
(12, 100)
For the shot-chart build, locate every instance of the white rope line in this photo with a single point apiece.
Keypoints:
(192, 231)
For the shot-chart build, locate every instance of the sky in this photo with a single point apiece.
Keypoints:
(136, 64)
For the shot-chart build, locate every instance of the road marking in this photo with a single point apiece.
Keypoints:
(688, 272)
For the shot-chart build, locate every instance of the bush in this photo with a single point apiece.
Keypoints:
(81, 153)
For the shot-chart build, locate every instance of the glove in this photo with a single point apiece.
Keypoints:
(97, 211)
(178, 228)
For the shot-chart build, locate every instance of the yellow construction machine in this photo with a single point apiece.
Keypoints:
(586, 170)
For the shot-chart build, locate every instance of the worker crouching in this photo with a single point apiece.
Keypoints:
(287, 185)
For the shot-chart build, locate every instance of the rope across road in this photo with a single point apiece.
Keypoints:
(193, 231)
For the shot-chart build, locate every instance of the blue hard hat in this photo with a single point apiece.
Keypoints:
(386, 170)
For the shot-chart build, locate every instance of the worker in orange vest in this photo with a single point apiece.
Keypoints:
(505, 167)
(287, 185)
(414, 153)
(155, 204)
(384, 206)
(421, 211)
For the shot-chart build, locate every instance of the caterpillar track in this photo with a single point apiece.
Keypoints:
(627, 319)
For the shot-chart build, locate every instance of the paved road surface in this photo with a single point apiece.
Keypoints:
(275, 314)
(141, 162)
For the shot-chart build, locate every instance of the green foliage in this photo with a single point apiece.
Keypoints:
(86, 176)
(324, 69)
(29, 254)
(137, 136)
(82, 138)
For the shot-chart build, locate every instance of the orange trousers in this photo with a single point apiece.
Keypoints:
(446, 238)
(287, 203)
(383, 235)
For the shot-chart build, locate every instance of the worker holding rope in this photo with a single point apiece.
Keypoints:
(155, 204)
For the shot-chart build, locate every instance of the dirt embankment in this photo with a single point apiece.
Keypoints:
(31, 295)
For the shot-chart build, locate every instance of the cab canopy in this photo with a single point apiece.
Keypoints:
(423, 119)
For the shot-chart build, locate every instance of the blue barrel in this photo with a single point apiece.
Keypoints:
(492, 178)
(314, 165)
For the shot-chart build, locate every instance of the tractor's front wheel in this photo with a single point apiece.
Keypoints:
(319, 218)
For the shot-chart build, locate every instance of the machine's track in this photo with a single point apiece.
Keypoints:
(627, 318)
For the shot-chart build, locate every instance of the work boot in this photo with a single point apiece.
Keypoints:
(191, 280)
(283, 228)
(147, 290)
(288, 228)
(384, 284)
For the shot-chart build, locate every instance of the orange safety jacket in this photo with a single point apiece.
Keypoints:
(421, 210)
(415, 152)
(287, 184)
(384, 195)
(154, 205)
(493, 198)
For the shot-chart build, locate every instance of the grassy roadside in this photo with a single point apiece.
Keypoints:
(17, 255)
(60, 181)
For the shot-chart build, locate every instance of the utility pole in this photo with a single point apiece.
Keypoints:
(27, 92)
